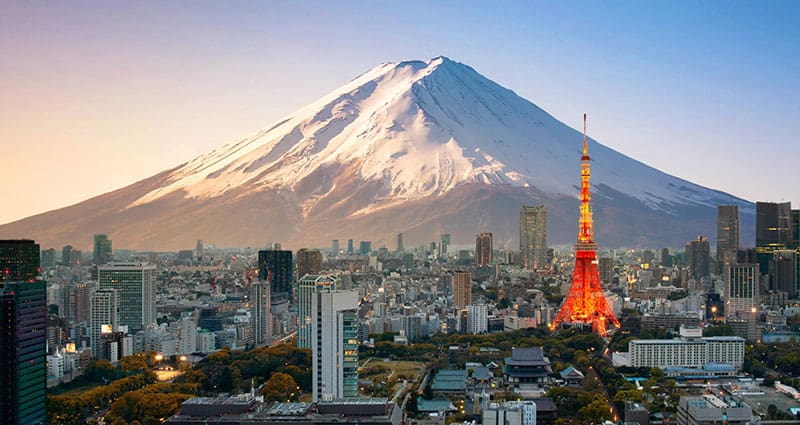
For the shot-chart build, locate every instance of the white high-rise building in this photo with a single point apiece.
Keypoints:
(260, 311)
(104, 313)
(306, 288)
(334, 343)
(477, 318)
(136, 283)
(188, 334)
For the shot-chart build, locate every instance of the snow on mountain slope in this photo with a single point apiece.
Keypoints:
(422, 129)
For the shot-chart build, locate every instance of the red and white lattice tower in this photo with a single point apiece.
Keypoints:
(586, 304)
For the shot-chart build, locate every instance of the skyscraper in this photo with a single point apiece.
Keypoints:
(364, 247)
(773, 231)
(350, 250)
(136, 283)
(795, 229)
(260, 301)
(66, 256)
(48, 258)
(307, 286)
(334, 343)
(400, 242)
(533, 237)
(101, 253)
(77, 302)
(697, 257)
(783, 272)
(462, 289)
(23, 337)
(444, 244)
(276, 267)
(773, 224)
(483, 249)
(309, 261)
(741, 300)
(335, 247)
(727, 235)
(104, 317)
(741, 289)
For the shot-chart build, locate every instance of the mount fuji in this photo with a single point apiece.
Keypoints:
(415, 147)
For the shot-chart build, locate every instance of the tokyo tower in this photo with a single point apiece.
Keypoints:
(586, 302)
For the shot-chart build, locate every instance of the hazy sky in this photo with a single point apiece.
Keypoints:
(97, 95)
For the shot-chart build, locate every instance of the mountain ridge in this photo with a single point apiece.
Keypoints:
(401, 133)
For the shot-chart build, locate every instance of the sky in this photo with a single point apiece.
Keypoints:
(95, 95)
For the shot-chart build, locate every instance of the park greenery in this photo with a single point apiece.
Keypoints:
(129, 394)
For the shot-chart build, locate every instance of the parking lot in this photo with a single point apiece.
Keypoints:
(759, 403)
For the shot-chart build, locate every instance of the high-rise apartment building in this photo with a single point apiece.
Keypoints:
(477, 318)
(309, 261)
(462, 289)
(199, 249)
(307, 286)
(275, 266)
(697, 257)
(136, 283)
(533, 237)
(187, 344)
(483, 249)
(727, 235)
(77, 300)
(23, 337)
(334, 343)
(104, 317)
(773, 231)
(260, 312)
(101, 252)
(605, 268)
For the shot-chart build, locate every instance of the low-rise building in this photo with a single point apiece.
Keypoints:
(510, 413)
(247, 409)
(708, 409)
(693, 353)
(527, 366)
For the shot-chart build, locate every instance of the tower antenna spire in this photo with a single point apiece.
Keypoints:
(585, 151)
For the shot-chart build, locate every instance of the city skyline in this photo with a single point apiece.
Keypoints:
(95, 95)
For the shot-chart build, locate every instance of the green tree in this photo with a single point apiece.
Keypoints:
(280, 386)
(595, 412)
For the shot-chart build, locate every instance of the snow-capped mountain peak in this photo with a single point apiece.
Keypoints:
(414, 147)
